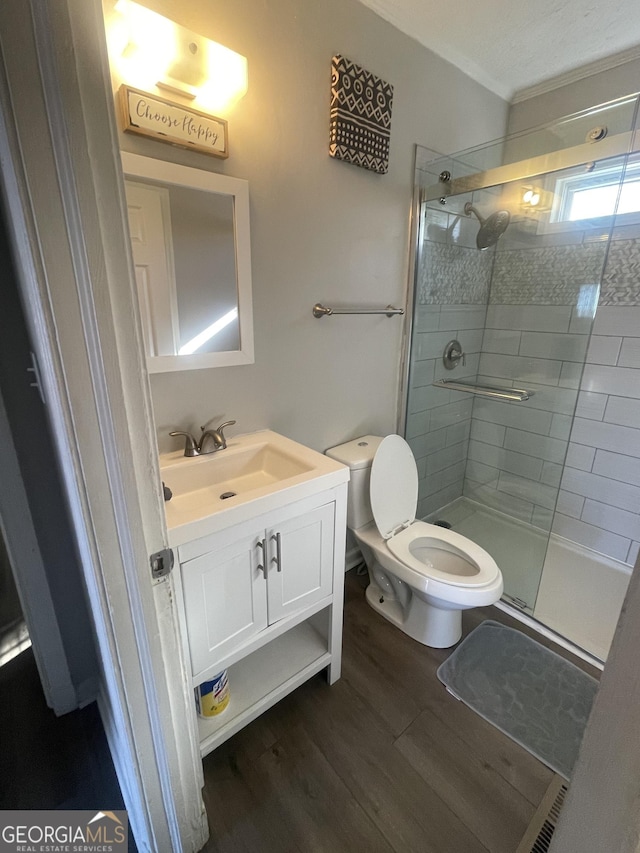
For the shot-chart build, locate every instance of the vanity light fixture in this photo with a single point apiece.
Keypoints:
(151, 52)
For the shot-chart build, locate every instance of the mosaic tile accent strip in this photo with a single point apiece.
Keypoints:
(621, 280)
(454, 275)
(552, 275)
(360, 119)
(548, 276)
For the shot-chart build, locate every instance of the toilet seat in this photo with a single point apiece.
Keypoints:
(412, 545)
(394, 499)
(393, 488)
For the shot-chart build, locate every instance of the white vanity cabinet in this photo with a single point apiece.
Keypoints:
(239, 587)
(225, 600)
(300, 561)
(263, 599)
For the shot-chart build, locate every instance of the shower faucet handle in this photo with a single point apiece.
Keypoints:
(453, 354)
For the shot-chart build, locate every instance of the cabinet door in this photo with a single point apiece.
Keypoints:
(303, 573)
(225, 600)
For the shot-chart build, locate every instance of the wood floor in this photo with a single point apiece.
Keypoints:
(384, 760)
(49, 762)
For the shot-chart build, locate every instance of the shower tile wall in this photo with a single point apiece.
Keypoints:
(537, 331)
(516, 450)
(529, 326)
(452, 297)
(599, 504)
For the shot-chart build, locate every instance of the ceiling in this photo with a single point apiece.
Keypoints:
(513, 45)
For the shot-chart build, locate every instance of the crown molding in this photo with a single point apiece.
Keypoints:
(596, 67)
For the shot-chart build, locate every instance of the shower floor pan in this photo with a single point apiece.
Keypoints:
(571, 590)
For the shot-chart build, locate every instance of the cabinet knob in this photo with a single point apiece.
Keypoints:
(262, 544)
(278, 557)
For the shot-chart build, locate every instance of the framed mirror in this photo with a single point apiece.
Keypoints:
(191, 248)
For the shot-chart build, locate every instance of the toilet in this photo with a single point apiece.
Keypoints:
(422, 576)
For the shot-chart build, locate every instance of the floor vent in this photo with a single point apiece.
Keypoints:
(539, 834)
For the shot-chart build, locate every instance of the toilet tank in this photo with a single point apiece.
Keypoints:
(358, 456)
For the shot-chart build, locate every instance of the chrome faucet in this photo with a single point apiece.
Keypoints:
(216, 436)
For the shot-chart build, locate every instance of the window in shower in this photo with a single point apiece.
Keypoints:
(587, 196)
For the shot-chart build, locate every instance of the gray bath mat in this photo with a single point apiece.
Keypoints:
(527, 691)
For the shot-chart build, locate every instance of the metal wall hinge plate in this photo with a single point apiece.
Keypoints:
(37, 381)
(161, 563)
(518, 602)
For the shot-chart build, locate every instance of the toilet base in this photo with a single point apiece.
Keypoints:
(429, 625)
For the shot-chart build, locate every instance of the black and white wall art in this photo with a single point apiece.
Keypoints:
(360, 123)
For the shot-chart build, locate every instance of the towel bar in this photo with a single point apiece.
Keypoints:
(322, 311)
(517, 395)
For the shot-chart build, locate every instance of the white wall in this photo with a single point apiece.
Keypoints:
(575, 97)
(322, 230)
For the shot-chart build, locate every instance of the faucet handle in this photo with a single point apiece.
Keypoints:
(453, 354)
(190, 444)
(221, 434)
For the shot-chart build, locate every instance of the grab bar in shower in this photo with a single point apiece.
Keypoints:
(321, 311)
(518, 395)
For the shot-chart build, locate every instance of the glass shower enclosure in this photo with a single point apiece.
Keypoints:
(511, 241)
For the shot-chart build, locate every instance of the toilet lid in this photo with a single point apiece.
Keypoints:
(394, 486)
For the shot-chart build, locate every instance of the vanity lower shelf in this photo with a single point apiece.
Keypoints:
(262, 678)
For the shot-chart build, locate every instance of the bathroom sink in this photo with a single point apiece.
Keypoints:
(231, 485)
(234, 471)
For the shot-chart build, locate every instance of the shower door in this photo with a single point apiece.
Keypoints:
(490, 426)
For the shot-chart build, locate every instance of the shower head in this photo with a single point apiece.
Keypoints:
(491, 228)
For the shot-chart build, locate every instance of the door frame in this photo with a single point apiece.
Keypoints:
(64, 196)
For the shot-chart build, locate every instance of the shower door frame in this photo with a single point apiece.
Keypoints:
(416, 231)
(619, 145)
